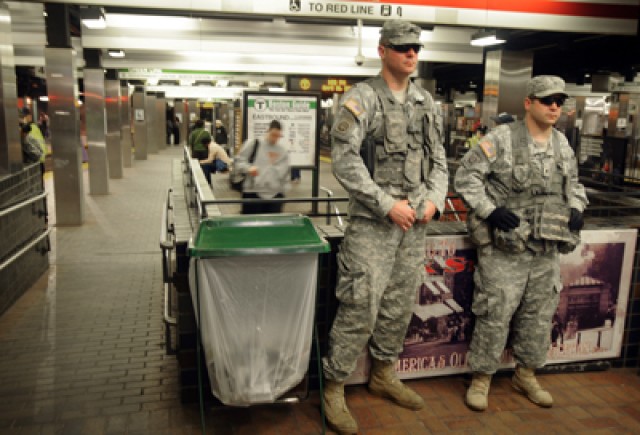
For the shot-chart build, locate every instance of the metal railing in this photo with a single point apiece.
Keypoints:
(167, 245)
(32, 242)
(24, 249)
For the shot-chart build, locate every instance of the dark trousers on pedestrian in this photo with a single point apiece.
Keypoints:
(260, 207)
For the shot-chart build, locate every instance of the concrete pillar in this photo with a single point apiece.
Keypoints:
(65, 135)
(139, 105)
(125, 125)
(10, 148)
(62, 86)
(150, 112)
(94, 107)
(505, 80)
(193, 111)
(114, 147)
(161, 121)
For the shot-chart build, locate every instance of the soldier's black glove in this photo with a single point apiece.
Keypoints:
(503, 219)
(576, 220)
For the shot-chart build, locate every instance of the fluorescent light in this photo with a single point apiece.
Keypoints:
(276, 89)
(93, 17)
(44, 98)
(151, 22)
(486, 38)
(116, 53)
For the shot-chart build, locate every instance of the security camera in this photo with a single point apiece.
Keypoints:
(359, 60)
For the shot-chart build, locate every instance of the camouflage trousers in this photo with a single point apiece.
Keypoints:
(379, 269)
(517, 289)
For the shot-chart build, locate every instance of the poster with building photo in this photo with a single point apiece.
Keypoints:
(588, 324)
(298, 114)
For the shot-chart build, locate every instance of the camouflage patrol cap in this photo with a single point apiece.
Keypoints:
(543, 86)
(399, 32)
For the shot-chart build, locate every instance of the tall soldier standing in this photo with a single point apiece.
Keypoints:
(398, 128)
(521, 184)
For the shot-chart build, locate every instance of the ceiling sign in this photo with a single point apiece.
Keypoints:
(592, 16)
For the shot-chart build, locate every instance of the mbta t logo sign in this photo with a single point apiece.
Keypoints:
(294, 5)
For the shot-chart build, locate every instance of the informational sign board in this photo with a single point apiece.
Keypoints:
(298, 114)
(588, 324)
(138, 114)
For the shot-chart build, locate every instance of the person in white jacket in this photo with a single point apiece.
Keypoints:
(268, 174)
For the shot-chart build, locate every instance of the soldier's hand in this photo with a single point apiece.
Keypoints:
(253, 171)
(402, 214)
(429, 212)
(576, 220)
(504, 219)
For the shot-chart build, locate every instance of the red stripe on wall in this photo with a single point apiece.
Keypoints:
(530, 6)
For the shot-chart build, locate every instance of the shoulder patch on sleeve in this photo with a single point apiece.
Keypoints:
(488, 149)
(344, 125)
(354, 107)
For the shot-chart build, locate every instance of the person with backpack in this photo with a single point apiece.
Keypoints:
(198, 149)
(267, 173)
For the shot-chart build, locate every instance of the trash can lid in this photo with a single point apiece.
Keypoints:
(224, 236)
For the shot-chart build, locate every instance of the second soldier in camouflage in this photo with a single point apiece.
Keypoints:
(521, 184)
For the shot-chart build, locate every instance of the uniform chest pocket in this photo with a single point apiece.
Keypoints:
(417, 128)
(521, 177)
(396, 137)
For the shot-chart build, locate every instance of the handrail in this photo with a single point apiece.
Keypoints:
(167, 245)
(17, 255)
(338, 216)
(164, 242)
(15, 207)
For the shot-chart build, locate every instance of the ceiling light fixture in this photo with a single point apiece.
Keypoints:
(116, 53)
(485, 38)
(93, 17)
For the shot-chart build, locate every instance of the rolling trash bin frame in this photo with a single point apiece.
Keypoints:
(257, 364)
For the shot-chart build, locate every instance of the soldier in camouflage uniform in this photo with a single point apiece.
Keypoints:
(387, 153)
(521, 184)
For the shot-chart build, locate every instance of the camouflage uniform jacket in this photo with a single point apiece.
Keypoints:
(487, 172)
(410, 163)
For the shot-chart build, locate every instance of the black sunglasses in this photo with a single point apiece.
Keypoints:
(548, 101)
(404, 48)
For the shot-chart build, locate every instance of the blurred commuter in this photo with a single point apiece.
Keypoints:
(267, 177)
(221, 136)
(503, 118)
(169, 130)
(43, 123)
(395, 190)
(176, 130)
(35, 134)
(477, 136)
(217, 161)
(31, 151)
(198, 149)
(526, 205)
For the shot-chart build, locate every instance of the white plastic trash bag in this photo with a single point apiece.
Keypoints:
(257, 322)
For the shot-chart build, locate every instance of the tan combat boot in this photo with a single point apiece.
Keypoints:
(384, 382)
(525, 382)
(335, 409)
(478, 391)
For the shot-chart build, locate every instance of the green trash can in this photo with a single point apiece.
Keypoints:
(253, 286)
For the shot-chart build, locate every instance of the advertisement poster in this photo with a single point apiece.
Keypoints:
(298, 115)
(588, 324)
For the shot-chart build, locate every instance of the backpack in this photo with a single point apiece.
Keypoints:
(236, 180)
(31, 149)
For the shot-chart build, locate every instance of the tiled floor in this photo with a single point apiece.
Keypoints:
(83, 351)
